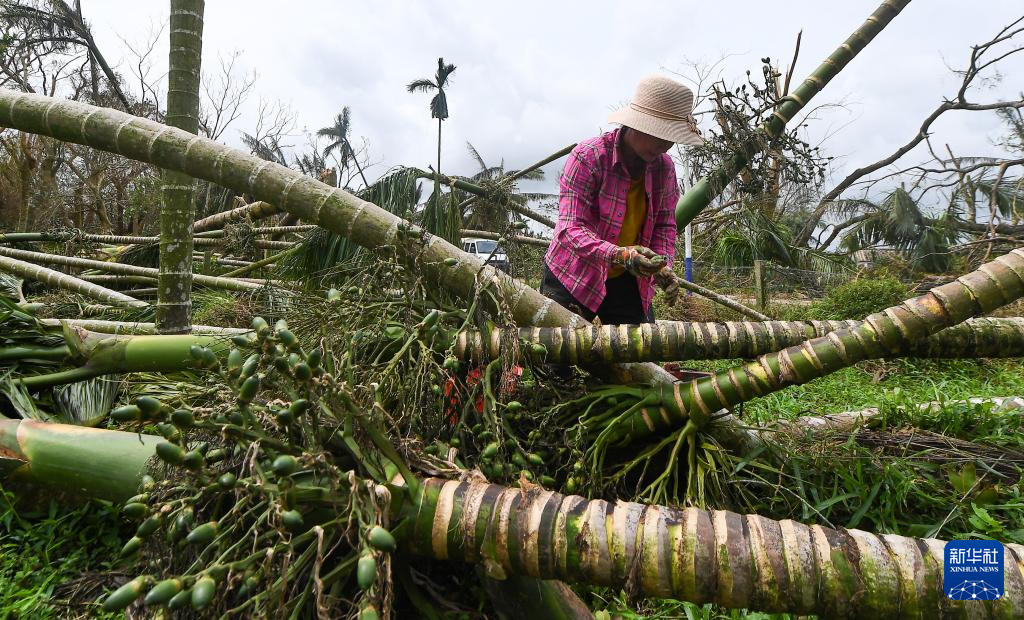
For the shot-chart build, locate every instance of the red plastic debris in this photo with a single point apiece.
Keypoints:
(456, 389)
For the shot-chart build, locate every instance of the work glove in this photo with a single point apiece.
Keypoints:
(638, 260)
(668, 281)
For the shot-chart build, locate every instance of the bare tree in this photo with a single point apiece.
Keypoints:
(150, 89)
(224, 94)
(983, 57)
(58, 27)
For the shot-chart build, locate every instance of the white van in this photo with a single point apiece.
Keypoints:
(485, 249)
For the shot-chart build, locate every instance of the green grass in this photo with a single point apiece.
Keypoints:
(868, 384)
(42, 550)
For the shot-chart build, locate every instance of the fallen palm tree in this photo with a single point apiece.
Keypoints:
(66, 282)
(120, 268)
(137, 328)
(95, 354)
(252, 211)
(216, 241)
(735, 560)
(683, 340)
(298, 520)
(720, 299)
(847, 420)
(991, 286)
(109, 278)
(675, 340)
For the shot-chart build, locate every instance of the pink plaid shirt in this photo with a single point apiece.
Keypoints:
(591, 206)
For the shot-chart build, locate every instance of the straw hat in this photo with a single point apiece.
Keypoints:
(662, 108)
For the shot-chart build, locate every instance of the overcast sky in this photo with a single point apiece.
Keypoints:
(535, 76)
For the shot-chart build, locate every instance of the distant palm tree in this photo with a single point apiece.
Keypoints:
(338, 133)
(311, 164)
(899, 223)
(268, 148)
(439, 104)
(495, 214)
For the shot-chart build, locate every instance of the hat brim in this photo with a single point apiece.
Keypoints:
(678, 132)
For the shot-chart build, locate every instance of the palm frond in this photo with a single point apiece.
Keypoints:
(420, 86)
(821, 261)
(20, 400)
(754, 236)
(442, 217)
(10, 287)
(267, 149)
(322, 251)
(848, 207)
(476, 155)
(533, 175)
(899, 224)
(330, 148)
(444, 71)
(903, 218)
(86, 402)
(311, 164)
(439, 106)
(1009, 196)
(140, 255)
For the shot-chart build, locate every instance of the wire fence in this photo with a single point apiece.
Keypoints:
(787, 282)
(777, 279)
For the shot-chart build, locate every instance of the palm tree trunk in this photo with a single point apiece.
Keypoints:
(174, 294)
(98, 354)
(134, 328)
(666, 341)
(263, 262)
(438, 208)
(486, 234)
(253, 211)
(993, 285)
(721, 300)
(71, 261)
(113, 278)
(68, 283)
(707, 189)
(847, 421)
(215, 239)
(80, 461)
(355, 160)
(734, 560)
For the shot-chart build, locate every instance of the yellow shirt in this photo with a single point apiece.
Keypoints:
(633, 221)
